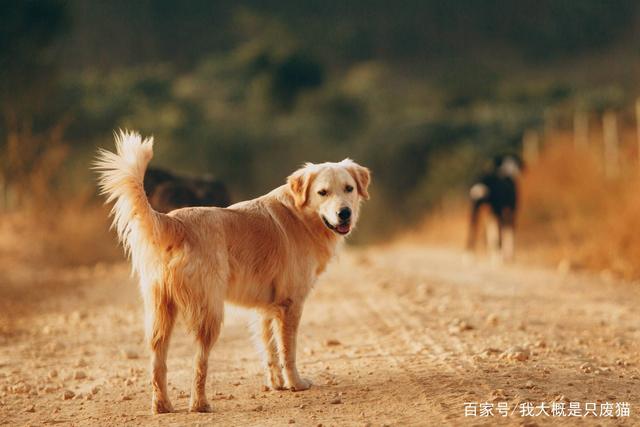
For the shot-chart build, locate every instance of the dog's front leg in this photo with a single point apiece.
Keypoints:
(287, 333)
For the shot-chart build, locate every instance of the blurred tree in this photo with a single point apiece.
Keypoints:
(182, 32)
(296, 73)
(421, 91)
(549, 28)
(28, 31)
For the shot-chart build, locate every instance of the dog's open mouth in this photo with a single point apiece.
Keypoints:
(339, 228)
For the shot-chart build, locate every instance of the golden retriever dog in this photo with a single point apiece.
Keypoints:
(264, 254)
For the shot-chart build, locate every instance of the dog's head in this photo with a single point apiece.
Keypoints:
(333, 191)
(508, 165)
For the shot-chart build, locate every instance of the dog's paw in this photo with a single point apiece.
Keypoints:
(200, 407)
(301, 385)
(270, 386)
(161, 407)
(274, 380)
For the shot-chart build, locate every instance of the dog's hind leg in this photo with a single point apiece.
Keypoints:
(265, 341)
(160, 314)
(493, 239)
(508, 243)
(287, 322)
(507, 234)
(207, 331)
(473, 226)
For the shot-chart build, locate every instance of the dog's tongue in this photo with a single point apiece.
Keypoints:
(343, 228)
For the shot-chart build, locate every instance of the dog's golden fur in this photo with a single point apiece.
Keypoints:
(263, 254)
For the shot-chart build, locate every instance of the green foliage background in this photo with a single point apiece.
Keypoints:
(422, 92)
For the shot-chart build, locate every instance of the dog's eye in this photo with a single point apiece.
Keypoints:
(322, 193)
(348, 189)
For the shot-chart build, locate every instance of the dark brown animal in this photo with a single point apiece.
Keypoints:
(167, 191)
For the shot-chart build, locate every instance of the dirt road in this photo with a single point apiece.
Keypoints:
(399, 335)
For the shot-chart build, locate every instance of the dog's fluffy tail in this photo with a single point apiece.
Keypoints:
(144, 233)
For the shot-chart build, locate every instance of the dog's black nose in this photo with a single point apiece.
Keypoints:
(344, 214)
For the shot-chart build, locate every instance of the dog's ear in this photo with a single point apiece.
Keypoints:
(361, 175)
(299, 182)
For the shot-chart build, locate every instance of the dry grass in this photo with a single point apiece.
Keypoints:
(446, 226)
(571, 215)
(45, 221)
(76, 233)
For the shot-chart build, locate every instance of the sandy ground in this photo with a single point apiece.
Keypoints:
(401, 335)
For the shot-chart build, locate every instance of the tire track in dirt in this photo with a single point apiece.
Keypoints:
(409, 327)
(418, 349)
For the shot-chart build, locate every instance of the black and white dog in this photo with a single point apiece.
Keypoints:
(497, 192)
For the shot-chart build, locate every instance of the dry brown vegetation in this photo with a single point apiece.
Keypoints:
(574, 215)
(49, 213)
(77, 234)
(571, 215)
(74, 234)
